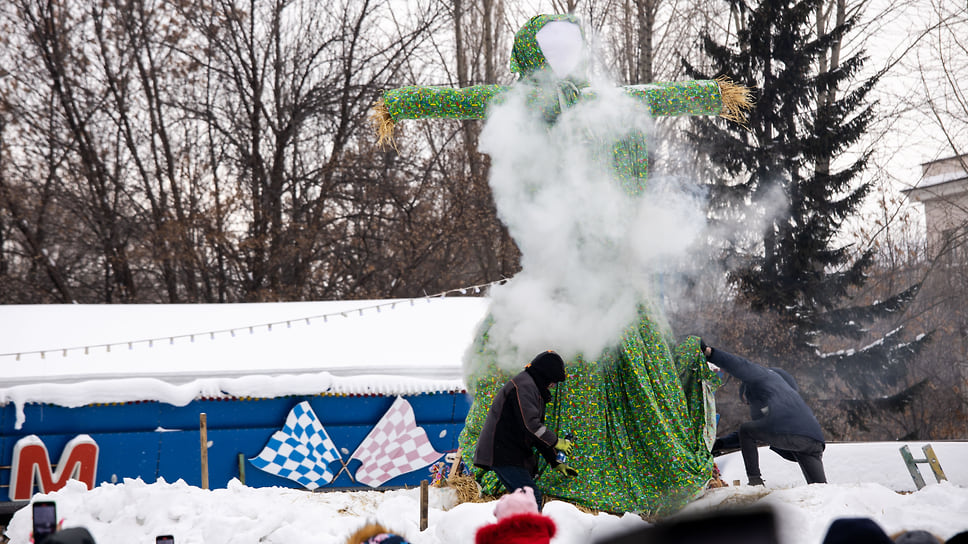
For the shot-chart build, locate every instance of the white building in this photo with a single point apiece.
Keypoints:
(943, 190)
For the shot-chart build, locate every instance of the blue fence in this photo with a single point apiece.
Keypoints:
(152, 440)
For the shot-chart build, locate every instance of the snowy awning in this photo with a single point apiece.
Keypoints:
(348, 347)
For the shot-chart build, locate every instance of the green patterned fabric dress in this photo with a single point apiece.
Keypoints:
(642, 411)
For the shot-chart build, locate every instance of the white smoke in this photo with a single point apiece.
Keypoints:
(590, 250)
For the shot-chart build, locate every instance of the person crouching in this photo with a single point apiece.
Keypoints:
(514, 427)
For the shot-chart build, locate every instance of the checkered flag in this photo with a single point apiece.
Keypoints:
(301, 451)
(395, 446)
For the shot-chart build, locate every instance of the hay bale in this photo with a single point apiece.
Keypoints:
(466, 488)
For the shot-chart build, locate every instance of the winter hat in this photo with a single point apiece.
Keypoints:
(386, 538)
(916, 537)
(549, 366)
(960, 538)
(520, 501)
(524, 528)
(373, 533)
(71, 535)
(856, 531)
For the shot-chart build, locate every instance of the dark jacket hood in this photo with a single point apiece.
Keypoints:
(546, 368)
(787, 377)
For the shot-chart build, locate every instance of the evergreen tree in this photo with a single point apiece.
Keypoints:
(809, 110)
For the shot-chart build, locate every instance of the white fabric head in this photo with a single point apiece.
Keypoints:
(562, 45)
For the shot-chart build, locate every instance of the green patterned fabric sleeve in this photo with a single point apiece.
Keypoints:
(425, 102)
(698, 97)
(699, 383)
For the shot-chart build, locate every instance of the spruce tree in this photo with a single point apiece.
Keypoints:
(810, 108)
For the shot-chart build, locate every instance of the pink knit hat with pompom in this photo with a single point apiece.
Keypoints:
(521, 501)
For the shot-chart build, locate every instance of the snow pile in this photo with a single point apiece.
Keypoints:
(134, 511)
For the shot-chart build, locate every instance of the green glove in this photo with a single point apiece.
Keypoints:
(563, 444)
(566, 470)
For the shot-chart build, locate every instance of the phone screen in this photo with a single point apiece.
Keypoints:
(165, 539)
(45, 520)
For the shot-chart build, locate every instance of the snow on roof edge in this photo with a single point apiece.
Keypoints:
(123, 390)
(386, 347)
(939, 179)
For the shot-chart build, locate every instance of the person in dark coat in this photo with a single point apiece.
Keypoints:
(514, 427)
(780, 417)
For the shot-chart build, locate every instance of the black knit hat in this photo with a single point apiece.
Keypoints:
(916, 537)
(549, 366)
(71, 535)
(960, 538)
(855, 531)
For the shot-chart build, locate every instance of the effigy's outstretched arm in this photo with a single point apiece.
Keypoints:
(430, 102)
(696, 97)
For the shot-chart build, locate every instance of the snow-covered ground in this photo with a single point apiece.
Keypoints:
(865, 480)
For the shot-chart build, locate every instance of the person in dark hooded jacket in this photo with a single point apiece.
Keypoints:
(779, 417)
(514, 427)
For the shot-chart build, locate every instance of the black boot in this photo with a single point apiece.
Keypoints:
(755, 480)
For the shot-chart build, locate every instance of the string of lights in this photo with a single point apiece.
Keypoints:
(251, 329)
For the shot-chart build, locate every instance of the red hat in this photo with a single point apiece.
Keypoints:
(518, 529)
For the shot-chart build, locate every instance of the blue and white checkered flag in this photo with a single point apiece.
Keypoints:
(301, 451)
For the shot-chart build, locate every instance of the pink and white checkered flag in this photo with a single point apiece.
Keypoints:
(395, 446)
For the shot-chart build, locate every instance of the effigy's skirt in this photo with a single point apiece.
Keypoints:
(640, 417)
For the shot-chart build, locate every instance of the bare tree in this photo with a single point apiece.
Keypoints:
(169, 151)
(92, 168)
(942, 67)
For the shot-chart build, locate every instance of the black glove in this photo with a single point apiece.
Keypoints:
(702, 348)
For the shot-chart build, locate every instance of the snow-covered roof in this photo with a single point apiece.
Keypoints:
(941, 178)
(178, 352)
(938, 179)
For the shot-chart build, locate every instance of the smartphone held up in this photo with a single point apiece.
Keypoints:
(44, 519)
